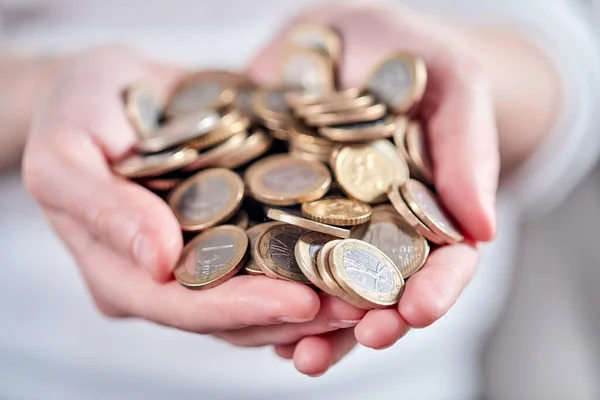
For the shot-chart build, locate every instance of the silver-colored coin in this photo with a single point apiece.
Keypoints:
(290, 178)
(401, 243)
(205, 198)
(144, 108)
(315, 247)
(275, 101)
(368, 271)
(282, 246)
(211, 255)
(180, 130)
(309, 70)
(197, 96)
(399, 81)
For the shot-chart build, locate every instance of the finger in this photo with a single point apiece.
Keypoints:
(314, 355)
(464, 144)
(285, 351)
(65, 167)
(334, 314)
(241, 301)
(380, 329)
(431, 292)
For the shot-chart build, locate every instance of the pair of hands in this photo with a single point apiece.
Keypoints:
(126, 240)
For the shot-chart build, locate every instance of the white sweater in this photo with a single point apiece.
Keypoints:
(53, 344)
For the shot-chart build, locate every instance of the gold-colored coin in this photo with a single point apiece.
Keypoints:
(283, 180)
(212, 156)
(270, 105)
(308, 139)
(212, 257)
(240, 219)
(141, 166)
(274, 251)
(257, 144)
(180, 130)
(318, 37)
(388, 231)
(144, 108)
(232, 122)
(307, 248)
(307, 224)
(409, 217)
(363, 114)
(308, 156)
(254, 232)
(341, 105)
(309, 147)
(399, 135)
(207, 199)
(299, 99)
(399, 81)
(331, 286)
(202, 91)
(365, 172)
(307, 69)
(368, 277)
(161, 184)
(416, 145)
(361, 131)
(337, 211)
(428, 208)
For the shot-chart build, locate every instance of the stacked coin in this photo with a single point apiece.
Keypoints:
(304, 181)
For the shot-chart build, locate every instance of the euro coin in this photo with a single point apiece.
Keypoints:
(337, 211)
(140, 166)
(144, 108)
(307, 224)
(212, 257)
(307, 248)
(417, 147)
(331, 286)
(207, 199)
(369, 278)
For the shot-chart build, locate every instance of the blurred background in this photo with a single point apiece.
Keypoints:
(545, 346)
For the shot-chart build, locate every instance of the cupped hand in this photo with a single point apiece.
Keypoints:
(458, 110)
(124, 238)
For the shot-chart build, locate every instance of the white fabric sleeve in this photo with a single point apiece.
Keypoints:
(565, 31)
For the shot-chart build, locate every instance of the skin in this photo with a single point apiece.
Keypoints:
(127, 241)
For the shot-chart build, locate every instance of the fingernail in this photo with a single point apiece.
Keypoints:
(293, 320)
(342, 323)
(143, 252)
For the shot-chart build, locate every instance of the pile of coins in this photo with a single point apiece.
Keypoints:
(301, 182)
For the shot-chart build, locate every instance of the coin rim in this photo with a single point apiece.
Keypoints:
(182, 157)
(211, 157)
(365, 114)
(229, 271)
(307, 224)
(332, 39)
(133, 111)
(255, 145)
(413, 134)
(301, 251)
(260, 228)
(450, 236)
(341, 135)
(235, 183)
(333, 288)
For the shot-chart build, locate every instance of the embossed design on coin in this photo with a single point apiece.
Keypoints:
(204, 199)
(275, 252)
(368, 271)
(212, 257)
(399, 81)
(284, 180)
(308, 69)
(337, 211)
(399, 241)
(207, 199)
(364, 173)
(369, 278)
(428, 208)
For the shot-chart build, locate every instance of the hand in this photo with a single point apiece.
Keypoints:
(125, 239)
(460, 119)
